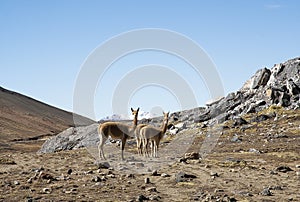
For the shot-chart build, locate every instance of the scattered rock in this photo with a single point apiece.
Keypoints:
(104, 165)
(252, 150)
(239, 122)
(96, 179)
(261, 118)
(266, 192)
(154, 198)
(214, 174)
(280, 135)
(292, 87)
(236, 138)
(141, 198)
(283, 169)
(181, 126)
(147, 180)
(155, 173)
(192, 155)
(16, 182)
(174, 131)
(260, 78)
(151, 189)
(69, 171)
(46, 190)
(130, 175)
(165, 175)
(183, 177)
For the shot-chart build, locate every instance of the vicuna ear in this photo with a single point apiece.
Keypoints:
(138, 109)
(131, 109)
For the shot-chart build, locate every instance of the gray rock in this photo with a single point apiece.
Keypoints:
(72, 138)
(47, 190)
(147, 180)
(236, 138)
(260, 78)
(165, 175)
(283, 169)
(192, 155)
(261, 118)
(266, 192)
(239, 122)
(292, 87)
(141, 198)
(183, 177)
(151, 189)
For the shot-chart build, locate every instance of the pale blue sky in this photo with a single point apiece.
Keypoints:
(44, 43)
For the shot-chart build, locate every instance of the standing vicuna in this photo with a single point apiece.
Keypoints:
(139, 138)
(154, 135)
(116, 130)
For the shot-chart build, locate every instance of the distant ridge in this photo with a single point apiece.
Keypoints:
(22, 118)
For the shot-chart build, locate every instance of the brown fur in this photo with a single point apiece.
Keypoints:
(139, 137)
(116, 130)
(154, 135)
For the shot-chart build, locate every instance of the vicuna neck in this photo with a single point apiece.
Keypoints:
(135, 120)
(164, 126)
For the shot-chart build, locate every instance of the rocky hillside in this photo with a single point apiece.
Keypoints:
(276, 86)
(23, 118)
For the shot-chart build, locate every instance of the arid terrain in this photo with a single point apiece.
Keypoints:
(23, 119)
(241, 147)
(257, 161)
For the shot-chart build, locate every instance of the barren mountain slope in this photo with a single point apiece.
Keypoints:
(23, 118)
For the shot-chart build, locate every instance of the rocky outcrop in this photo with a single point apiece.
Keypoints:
(74, 137)
(279, 85)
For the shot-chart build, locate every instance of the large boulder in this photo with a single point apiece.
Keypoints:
(74, 137)
(260, 78)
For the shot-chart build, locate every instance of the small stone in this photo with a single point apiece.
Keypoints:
(111, 176)
(165, 175)
(89, 172)
(29, 180)
(183, 177)
(266, 192)
(154, 198)
(16, 182)
(139, 165)
(147, 180)
(236, 139)
(151, 189)
(130, 175)
(297, 166)
(69, 171)
(141, 198)
(252, 150)
(154, 173)
(283, 169)
(96, 179)
(192, 155)
(104, 165)
(46, 190)
(214, 174)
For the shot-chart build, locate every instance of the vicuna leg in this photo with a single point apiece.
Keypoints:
(101, 144)
(123, 142)
(139, 146)
(145, 147)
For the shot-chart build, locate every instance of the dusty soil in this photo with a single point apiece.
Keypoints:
(262, 164)
(25, 119)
